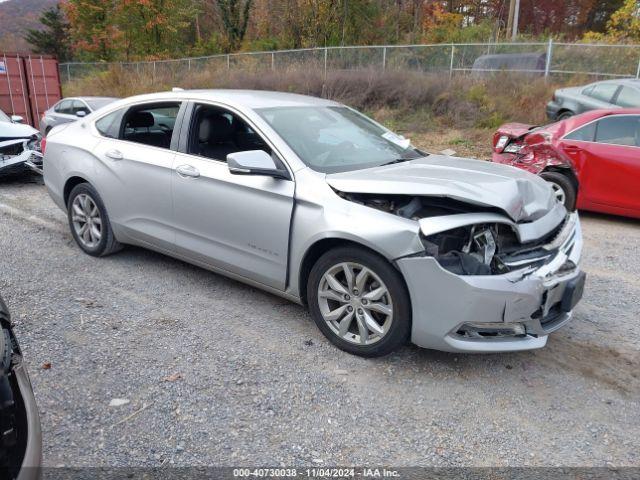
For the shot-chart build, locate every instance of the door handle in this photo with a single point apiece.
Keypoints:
(114, 154)
(572, 149)
(187, 171)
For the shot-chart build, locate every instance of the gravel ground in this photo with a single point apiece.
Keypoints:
(218, 373)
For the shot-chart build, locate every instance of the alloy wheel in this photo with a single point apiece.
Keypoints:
(355, 303)
(559, 192)
(86, 220)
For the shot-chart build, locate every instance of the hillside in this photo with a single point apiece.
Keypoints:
(15, 17)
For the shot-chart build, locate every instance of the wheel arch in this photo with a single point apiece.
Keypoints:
(70, 184)
(562, 111)
(566, 171)
(320, 247)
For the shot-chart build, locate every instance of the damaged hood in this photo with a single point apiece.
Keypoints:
(16, 130)
(521, 195)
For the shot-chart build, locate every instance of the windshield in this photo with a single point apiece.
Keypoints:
(337, 139)
(4, 117)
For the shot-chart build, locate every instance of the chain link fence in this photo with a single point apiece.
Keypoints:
(543, 59)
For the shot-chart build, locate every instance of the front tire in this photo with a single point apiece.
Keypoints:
(563, 188)
(89, 222)
(359, 302)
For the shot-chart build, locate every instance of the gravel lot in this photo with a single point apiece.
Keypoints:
(218, 373)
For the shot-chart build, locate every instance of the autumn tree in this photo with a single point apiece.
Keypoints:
(624, 25)
(153, 28)
(94, 33)
(53, 39)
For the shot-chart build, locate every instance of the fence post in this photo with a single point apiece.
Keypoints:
(638, 71)
(189, 64)
(384, 58)
(68, 73)
(547, 67)
(154, 70)
(326, 50)
(273, 61)
(453, 51)
(228, 62)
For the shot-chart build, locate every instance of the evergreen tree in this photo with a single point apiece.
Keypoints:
(54, 38)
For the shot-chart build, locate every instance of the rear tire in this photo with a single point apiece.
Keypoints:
(89, 222)
(563, 188)
(366, 312)
(564, 115)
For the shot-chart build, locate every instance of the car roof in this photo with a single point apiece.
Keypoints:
(89, 97)
(632, 82)
(576, 121)
(252, 99)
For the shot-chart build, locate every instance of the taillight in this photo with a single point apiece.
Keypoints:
(43, 144)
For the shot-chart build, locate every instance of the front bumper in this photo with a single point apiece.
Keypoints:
(532, 303)
(26, 158)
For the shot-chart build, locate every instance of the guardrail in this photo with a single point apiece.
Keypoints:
(554, 58)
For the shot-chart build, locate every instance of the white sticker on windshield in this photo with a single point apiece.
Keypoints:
(397, 139)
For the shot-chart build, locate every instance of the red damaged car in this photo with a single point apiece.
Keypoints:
(592, 160)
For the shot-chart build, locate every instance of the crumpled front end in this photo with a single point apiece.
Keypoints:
(19, 152)
(491, 295)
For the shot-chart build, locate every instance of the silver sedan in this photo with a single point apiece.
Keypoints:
(313, 201)
(71, 109)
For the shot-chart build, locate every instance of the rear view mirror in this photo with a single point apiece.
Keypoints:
(81, 114)
(254, 162)
(17, 119)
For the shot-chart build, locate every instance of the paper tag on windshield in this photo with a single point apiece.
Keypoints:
(397, 139)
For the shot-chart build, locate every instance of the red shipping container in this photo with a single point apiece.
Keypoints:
(29, 85)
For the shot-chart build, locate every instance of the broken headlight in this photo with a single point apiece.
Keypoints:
(464, 251)
(34, 143)
(513, 148)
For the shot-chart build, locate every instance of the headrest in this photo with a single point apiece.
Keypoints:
(141, 120)
(215, 128)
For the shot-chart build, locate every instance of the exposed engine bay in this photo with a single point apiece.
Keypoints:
(14, 152)
(481, 249)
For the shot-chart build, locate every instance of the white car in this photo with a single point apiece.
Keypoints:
(19, 144)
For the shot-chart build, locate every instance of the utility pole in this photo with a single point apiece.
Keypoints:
(516, 18)
(512, 9)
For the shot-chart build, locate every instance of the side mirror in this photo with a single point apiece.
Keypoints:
(81, 114)
(17, 119)
(255, 162)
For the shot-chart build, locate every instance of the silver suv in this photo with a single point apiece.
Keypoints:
(311, 200)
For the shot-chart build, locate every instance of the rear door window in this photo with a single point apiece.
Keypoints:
(604, 92)
(583, 134)
(619, 130)
(628, 97)
(151, 124)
